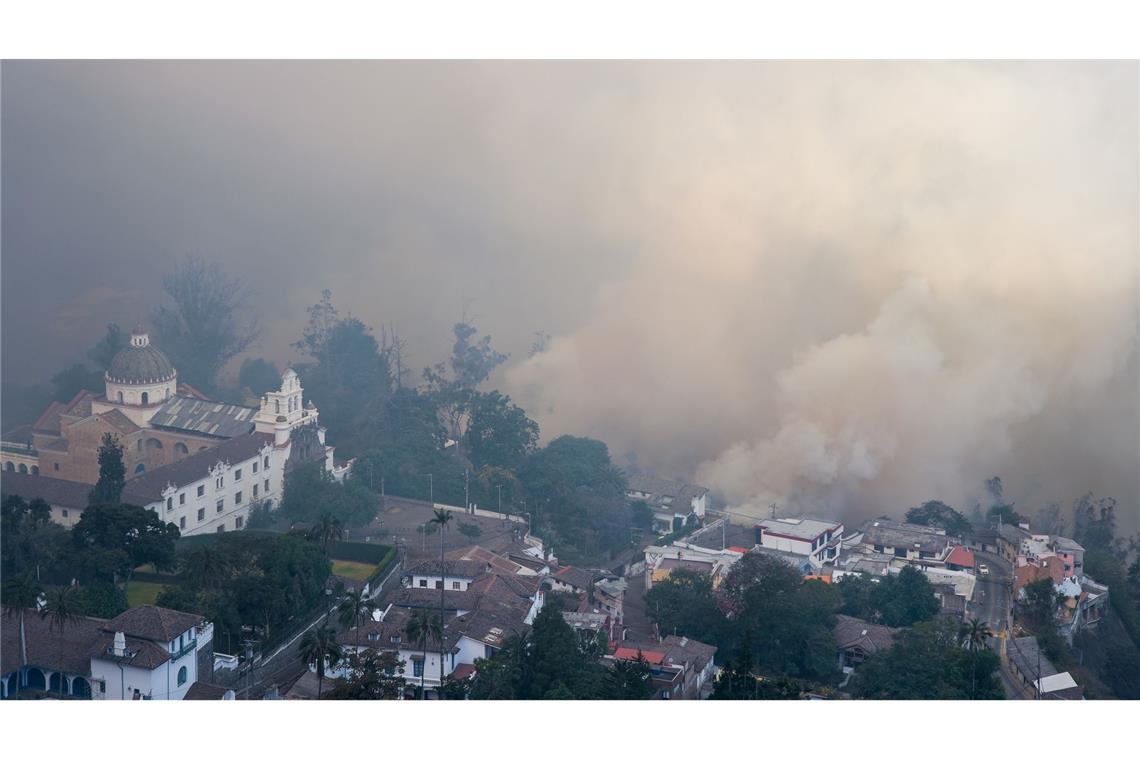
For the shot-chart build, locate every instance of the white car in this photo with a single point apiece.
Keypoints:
(983, 570)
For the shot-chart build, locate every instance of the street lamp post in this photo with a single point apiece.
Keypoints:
(431, 490)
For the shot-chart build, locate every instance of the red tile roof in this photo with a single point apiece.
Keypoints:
(628, 653)
(960, 556)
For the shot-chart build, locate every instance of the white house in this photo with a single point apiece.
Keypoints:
(144, 653)
(453, 575)
(672, 502)
(815, 538)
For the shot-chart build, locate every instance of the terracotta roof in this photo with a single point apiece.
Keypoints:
(138, 652)
(498, 563)
(148, 487)
(154, 623)
(199, 690)
(651, 656)
(575, 576)
(119, 421)
(451, 568)
(60, 493)
(465, 670)
(960, 556)
(48, 422)
(43, 643)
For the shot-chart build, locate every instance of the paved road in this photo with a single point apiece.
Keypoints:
(991, 602)
(991, 599)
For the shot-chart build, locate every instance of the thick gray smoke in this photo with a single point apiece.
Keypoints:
(864, 286)
(840, 286)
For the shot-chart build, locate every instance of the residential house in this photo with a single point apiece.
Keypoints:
(960, 558)
(1034, 671)
(144, 653)
(856, 640)
(660, 561)
(1071, 553)
(478, 620)
(905, 542)
(817, 539)
(801, 562)
(1009, 541)
(453, 575)
(680, 667)
(671, 502)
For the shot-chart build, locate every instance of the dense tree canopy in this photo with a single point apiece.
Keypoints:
(257, 580)
(928, 661)
(200, 329)
(113, 539)
(939, 515)
(894, 600)
(311, 493)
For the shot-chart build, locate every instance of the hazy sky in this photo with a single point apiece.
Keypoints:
(839, 286)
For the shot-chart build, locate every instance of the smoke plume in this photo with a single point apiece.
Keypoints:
(864, 286)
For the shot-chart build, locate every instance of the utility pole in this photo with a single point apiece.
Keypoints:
(431, 490)
(466, 494)
(500, 500)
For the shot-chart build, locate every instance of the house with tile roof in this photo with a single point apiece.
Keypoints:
(671, 502)
(146, 652)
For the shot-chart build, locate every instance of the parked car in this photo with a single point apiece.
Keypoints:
(983, 570)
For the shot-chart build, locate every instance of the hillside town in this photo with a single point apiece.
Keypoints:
(187, 514)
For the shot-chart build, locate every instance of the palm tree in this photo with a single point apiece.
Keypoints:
(61, 611)
(319, 647)
(354, 610)
(974, 636)
(327, 530)
(442, 518)
(422, 628)
(20, 593)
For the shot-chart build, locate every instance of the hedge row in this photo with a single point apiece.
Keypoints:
(352, 551)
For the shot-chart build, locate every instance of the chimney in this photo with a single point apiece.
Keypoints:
(120, 646)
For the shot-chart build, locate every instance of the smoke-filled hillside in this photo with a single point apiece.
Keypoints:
(859, 287)
(845, 287)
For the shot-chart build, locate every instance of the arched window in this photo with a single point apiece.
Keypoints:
(140, 469)
(10, 467)
(180, 449)
(35, 469)
(120, 397)
(145, 398)
(182, 675)
(140, 444)
(80, 688)
(277, 405)
(154, 443)
(167, 393)
(23, 468)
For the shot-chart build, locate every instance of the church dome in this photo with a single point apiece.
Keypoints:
(140, 363)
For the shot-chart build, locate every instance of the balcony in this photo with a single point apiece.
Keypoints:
(184, 651)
